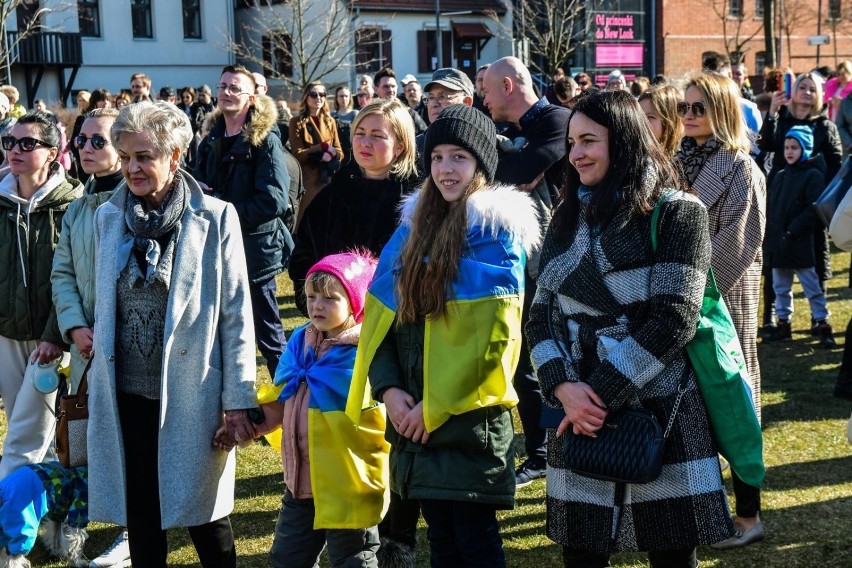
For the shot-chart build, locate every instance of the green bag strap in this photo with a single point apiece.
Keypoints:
(655, 223)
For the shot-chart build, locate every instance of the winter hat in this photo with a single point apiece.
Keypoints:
(468, 128)
(354, 271)
(803, 135)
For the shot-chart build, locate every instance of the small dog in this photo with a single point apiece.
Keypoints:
(44, 491)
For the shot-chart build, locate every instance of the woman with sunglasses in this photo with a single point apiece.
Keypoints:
(315, 142)
(715, 161)
(100, 98)
(73, 276)
(34, 195)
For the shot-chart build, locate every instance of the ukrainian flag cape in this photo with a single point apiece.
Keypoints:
(349, 459)
(470, 354)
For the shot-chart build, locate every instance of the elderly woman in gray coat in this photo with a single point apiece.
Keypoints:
(173, 347)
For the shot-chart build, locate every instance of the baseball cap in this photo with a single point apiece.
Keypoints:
(205, 89)
(408, 78)
(168, 92)
(452, 79)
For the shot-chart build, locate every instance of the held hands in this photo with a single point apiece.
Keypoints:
(406, 417)
(223, 439)
(583, 408)
(82, 338)
(240, 428)
(46, 352)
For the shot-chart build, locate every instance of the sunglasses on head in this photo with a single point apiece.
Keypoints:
(26, 144)
(98, 141)
(317, 94)
(698, 108)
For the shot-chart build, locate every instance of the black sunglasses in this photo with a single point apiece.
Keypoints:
(317, 94)
(582, 83)
(26, 144)
(98, 141)
(698, 108)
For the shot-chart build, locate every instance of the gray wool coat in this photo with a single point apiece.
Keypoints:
(208, 365)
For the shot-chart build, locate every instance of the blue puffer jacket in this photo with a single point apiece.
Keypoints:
(73, 276)
(29, 233)
(252, 175)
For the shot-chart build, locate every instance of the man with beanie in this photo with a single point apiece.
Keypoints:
(789, 241)
(533, 158)
(242, 161)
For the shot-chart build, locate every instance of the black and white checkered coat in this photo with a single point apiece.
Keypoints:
(733, 189)
(624, 315)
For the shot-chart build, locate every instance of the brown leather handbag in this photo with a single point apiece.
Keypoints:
(72, 421)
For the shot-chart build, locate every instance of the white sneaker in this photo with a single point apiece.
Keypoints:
(116, 556)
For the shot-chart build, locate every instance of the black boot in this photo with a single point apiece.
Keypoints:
(781, 332)
(826, 335)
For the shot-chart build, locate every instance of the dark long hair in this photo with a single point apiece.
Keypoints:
(639, 168)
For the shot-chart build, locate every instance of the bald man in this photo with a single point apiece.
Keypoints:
(260, 86)
(535, 163)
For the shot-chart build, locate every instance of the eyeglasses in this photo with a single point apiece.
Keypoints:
(230, 89)
(317, 94)
(98, 141)
(26, 144)
(697, 108)
(442, 98)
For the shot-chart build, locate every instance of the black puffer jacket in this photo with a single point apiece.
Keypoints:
(29, 233)
(351, 211)
(252, 176)
(790, 219)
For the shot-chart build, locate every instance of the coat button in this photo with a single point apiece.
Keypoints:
(300, 438)
(111, 358)
(183, 351)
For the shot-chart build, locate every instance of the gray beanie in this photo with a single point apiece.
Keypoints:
(468, 128)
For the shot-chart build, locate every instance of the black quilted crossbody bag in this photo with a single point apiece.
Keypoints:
(628, 447)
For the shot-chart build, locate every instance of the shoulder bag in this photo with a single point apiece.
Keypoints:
(717, 359)
(72, 421)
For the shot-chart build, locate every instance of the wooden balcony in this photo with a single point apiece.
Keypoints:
(51, 49)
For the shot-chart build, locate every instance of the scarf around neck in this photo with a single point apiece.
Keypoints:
(692, 156)
(147, 226)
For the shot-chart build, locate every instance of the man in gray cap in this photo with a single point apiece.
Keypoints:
(448, 86)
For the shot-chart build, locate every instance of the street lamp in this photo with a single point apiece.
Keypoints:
(438, 43)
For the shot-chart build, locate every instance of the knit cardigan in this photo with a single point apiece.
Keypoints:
(625, 315)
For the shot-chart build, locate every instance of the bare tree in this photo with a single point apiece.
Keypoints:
(554, 29)
(30, 21)
(734, 15)
(796, 15)
(301, 42)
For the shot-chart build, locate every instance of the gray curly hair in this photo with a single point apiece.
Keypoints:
(166, 125)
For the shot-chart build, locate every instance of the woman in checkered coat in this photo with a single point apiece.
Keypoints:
(608, 329)
(715, 161)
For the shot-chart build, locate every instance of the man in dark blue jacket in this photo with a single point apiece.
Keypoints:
(242, 161)
(532, 157)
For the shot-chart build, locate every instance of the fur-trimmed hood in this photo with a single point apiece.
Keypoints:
(496, 207)
(262, 118)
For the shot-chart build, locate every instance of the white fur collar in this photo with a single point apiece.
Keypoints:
(495, 208)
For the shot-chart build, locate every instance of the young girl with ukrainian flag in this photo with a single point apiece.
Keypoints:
(442, 336)
(335, 470)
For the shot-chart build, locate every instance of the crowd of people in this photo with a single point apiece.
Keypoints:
(459, 249)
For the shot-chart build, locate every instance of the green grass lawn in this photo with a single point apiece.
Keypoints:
(807, 498)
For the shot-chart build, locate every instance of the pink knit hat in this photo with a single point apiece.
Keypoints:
(355, 271)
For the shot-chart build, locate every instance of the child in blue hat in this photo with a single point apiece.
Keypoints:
(789, 241)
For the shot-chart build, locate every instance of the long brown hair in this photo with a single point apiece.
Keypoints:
(438, 230)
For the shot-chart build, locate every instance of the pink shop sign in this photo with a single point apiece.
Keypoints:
(619, 54)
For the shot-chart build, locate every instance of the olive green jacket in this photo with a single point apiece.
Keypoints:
(29, 233)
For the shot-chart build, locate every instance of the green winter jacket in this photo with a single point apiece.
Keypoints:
(29, 233)
(73, 277)
(469, 458)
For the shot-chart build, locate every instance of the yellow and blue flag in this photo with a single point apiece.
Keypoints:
(471, 353)
(349, 459)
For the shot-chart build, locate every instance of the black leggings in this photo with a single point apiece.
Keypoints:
(682, 558)
(213, 541)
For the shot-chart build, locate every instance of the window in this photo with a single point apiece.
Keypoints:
(140, 12)
(277, 53)
(192, 19)
(27, 15)
(833, 10)
(759, 61)
(427, 55)
(89, 18)
(758, 9)
(372, 49)
(735, 8)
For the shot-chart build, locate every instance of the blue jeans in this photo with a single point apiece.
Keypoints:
(268, 330)
(782, 283)
(462, 533)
